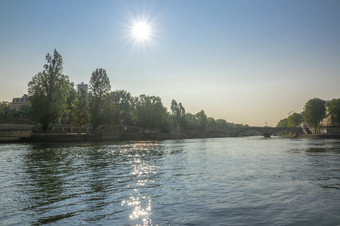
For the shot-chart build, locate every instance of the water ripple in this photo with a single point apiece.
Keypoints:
(227, 181)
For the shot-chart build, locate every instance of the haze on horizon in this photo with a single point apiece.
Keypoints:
(247, 61)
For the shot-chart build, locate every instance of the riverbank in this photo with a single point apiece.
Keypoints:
(312, 136)
(68, 137)
(24, 132)
(319, 136)
(73, 137)
(14, 132)
(118, 136)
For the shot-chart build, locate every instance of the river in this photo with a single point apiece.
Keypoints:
(217, 181)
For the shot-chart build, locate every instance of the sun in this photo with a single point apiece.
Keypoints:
(141, 31)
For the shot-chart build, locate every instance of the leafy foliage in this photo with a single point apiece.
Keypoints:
(107, 113)
(48, 91)
(177, 115)
(314, 111)
(294, 120)
(100, 87)
(80, 112)
(202, 120)
(282, 123)
(211, 123)
(334, 110)
(150, 113)
(124, 104)
(8, 114)
(5, 111)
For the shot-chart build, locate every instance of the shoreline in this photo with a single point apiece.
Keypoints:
(23, 133)
(73, 137)
(319, 136)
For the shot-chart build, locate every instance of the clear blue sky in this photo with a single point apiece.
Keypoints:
(245, 61)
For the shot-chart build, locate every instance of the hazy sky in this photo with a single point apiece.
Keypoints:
(245, 61)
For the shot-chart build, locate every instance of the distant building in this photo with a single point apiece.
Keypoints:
(18, 102)
(82, 86)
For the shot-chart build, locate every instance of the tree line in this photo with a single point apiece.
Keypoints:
(53, 99)
(314, 111)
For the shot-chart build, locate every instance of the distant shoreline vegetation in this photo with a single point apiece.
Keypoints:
(316, 114)
(54, 100)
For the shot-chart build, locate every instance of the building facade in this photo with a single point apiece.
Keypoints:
(18, 102)
(82, 86)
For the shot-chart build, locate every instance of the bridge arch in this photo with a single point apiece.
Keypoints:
(238, 132)
(264, 131)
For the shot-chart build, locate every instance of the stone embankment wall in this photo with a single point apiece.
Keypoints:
(61, 137)
(15, 131)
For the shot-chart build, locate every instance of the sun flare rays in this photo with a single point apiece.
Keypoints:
(141, 31)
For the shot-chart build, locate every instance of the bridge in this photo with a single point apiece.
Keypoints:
(265, 131)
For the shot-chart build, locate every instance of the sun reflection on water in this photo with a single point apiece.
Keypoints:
(142, 171)
(141, 208)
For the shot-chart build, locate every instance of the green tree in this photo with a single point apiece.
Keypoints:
(177, 115)
(24, 113)
(314, 112)
(80, 106)
(334, 110)
(212, 123)
(174, 107)
(108, 111)
(150, 113)
(124, 104)
(5, 111)
(181, 115)
(282, 123)
(48, 91)
(294, 120)
(202, 120)
(100, 87)
(68, 112)
(71, 97)
(190, 122)
(221, 123)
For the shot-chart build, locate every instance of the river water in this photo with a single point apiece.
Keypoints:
(222, 181)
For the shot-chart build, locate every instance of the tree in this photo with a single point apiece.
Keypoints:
(181, 114)
(150, 113)
(294, 120)
(23, 113)
(190, 122)
(67, 116)
(314, 112)
(48, 91)
(212, 123)
(71, 97)
(174, 116)
(108, 112)
(80, 109)
(124, 104)
(334, 110)
(282, 123)
(5, 111)
(174, 107)
(202, 120)
(100, 87)
(177, 113)
(221, 123)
